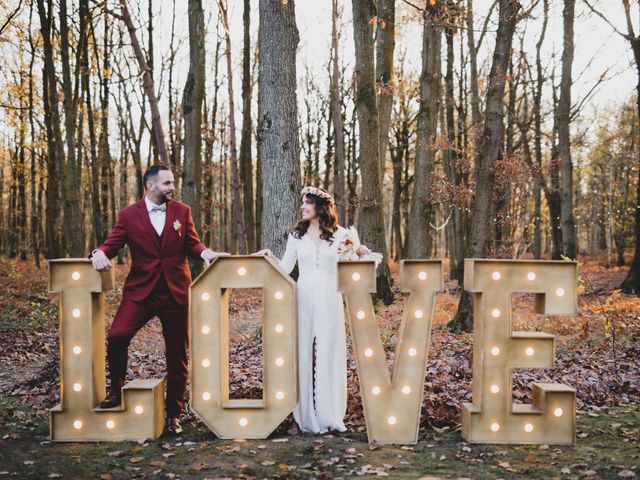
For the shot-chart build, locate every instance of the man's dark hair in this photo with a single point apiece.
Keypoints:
(151, 172)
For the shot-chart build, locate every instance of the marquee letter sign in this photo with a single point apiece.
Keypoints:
(391, 405)
(82, 365)
(209, 306)
(493, 417)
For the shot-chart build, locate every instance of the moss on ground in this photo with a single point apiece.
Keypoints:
(607, 447)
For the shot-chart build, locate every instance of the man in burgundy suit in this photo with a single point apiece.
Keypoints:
(160, 234)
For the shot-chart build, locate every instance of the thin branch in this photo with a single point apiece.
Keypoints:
(413, 5)
(15, 12)
(484, 26)
(606, 20)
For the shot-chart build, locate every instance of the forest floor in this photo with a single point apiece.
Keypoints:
(597, 352)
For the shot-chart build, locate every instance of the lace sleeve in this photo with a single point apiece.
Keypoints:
(290, 256)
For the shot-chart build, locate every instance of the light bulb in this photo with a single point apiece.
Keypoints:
(243, 422)
(528, 428)
(406, 389)
(375, 390)
(76, 312)
(495, 351)
(206, 396)
(279, 361)
(529, 351)
(205, 296)
(242, 271)
(355, 276)
(205, 329)
(495, 313)
(360, 314)
(413, 352)
(391, 420)
(419, 313)
(495, 388)
(496, 275)
(279, 395)
(77, 387)
(278, 295)
(77, 349)
(368, 352)
(422, 275)
(138, 409)
(560, 292)
(206, 362)
(558, 412)
(77, 424)
(75, 275)
(495, 427)
(110, 424)
(531, 276)
(279, 328)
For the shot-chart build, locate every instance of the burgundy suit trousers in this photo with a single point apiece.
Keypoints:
(131, 317)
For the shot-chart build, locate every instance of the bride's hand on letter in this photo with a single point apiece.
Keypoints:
(265, 253)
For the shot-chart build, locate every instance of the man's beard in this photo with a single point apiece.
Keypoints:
(165, 197)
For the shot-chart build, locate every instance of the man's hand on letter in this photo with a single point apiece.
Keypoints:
(209, 255)
(100, 260)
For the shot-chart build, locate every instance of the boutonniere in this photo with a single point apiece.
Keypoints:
(177, 226)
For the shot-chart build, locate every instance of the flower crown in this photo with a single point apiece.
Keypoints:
(317, 192)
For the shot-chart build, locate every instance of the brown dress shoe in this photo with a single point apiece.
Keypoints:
(173, 426)
(112, 400)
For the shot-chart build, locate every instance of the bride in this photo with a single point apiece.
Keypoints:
(322, 357)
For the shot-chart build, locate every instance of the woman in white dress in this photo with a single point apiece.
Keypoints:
(322, 355)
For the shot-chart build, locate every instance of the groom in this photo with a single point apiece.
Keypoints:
(160, 234)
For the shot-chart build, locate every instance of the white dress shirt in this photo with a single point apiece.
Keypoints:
(157, 214)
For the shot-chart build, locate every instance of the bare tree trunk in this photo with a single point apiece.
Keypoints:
(33, 220)
(328, 155)
(174, 144)
(278, 121)
(631, 283)
(450, 165)
(338, 128)
(246, 163)
(371, 221)
(473, 64)
(151, 64)
(569, 246)
(385, 44)
(259, 196)
(103, 145)
(55, 148)
(209, 211)
(537, 97)
(147, 84)
(420, 239)
(71, 171)
(233, 152)
(491, 144)
(92, 161)
(192, 112)
(21, 214)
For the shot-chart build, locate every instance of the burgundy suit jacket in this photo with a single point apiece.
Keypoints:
(152, 255)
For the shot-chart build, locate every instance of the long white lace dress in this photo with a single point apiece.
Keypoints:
(321, 321)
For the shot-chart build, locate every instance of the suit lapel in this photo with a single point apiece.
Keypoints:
(146, 221)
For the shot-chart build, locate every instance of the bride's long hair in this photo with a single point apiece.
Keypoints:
(328, 219)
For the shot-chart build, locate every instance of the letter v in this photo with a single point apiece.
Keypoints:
(391, 404)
